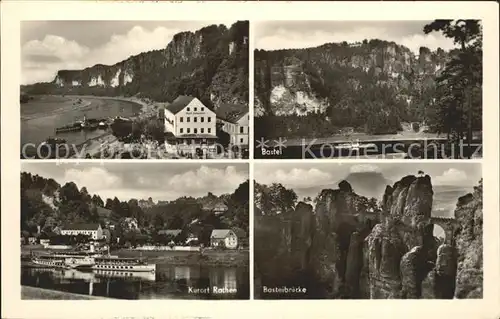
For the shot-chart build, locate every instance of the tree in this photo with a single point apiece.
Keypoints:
(459, 86)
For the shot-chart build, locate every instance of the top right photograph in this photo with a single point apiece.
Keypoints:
(368, 89)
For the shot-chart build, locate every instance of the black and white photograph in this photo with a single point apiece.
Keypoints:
(134, 89)
(134, 231)
(368, 230)
(368, 89)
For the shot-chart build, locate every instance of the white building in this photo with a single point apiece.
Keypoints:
(192, 124)
(94, 231)
(223, 238)
(234, 119)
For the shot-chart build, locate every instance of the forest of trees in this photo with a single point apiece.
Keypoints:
(47, 204)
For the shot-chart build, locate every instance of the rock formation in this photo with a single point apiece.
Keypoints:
(298, 81)
(211, 64)
(349, 249)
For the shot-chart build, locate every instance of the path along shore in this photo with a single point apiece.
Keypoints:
(35, 293)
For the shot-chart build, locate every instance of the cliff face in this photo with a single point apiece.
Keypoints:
(348, 248)
(469, 243)
(211, 64)
(317, 79)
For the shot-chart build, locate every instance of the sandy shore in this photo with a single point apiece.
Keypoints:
(35, 293)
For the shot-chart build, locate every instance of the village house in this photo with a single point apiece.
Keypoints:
(189, 125)
(234, 119)
(94, 231)
(217, 207)
(225, 238)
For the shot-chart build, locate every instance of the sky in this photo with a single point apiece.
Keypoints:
(160, 181)
(49, 46)
(306, 175)
(274, 35)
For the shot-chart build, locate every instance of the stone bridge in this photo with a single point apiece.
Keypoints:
(449, 225)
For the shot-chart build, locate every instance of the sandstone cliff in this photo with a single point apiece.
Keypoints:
(331, 77)
(211, 64)
(347, 248)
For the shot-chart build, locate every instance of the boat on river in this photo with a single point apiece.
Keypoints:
(123, 264)
(67, 261)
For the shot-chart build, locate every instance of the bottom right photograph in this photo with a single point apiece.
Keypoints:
(368, 230)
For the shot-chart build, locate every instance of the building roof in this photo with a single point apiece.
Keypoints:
(240, 233)
(215, 205)
(220, 233)
(179, 103)
(81, 226)
(173, 232)
(231, 112)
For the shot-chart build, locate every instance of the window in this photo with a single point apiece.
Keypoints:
(188, 109)
(182, 119)
(209, 130)
(202, 119)
(242, 129)
(188, 130)
(195, 131)
(241, 140)
(202, 130)
(181, 130)
(195, 109)
(209, 119)
(202, 109)
(195, 119)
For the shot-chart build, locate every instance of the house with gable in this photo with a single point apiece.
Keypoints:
(93, 231)
(223, 238)
(234, 120)
(189, 125)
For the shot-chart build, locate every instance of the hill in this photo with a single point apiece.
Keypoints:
(211, 64)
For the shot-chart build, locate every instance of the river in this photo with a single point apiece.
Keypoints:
(169, 282)
(40, 117)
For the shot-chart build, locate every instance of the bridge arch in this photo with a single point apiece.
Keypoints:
(449, 225)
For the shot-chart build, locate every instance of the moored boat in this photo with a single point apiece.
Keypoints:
(123, 264)
(52, 261)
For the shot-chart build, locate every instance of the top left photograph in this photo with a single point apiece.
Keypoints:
(134, 90)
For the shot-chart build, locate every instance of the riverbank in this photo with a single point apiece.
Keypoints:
(223, 258)
(35, 293)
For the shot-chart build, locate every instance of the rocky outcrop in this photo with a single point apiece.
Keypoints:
(299, 81)
(469, 245)
(211, 64)
(349, 249)
(323, 249)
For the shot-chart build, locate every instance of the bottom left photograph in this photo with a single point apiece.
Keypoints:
(134, 231)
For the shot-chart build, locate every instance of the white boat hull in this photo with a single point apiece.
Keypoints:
(118, 267)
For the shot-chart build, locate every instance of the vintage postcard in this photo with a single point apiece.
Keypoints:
(368, 231)
(134, 89)
(134, 231)
(368, 89)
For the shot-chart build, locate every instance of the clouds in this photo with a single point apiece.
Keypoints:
(363, 168)
(452, 176)
(159, 181)
(65, 46)
(72, 55)
(304, 34)
(294, 177)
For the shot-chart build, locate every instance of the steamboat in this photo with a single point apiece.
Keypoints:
(114, 263)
